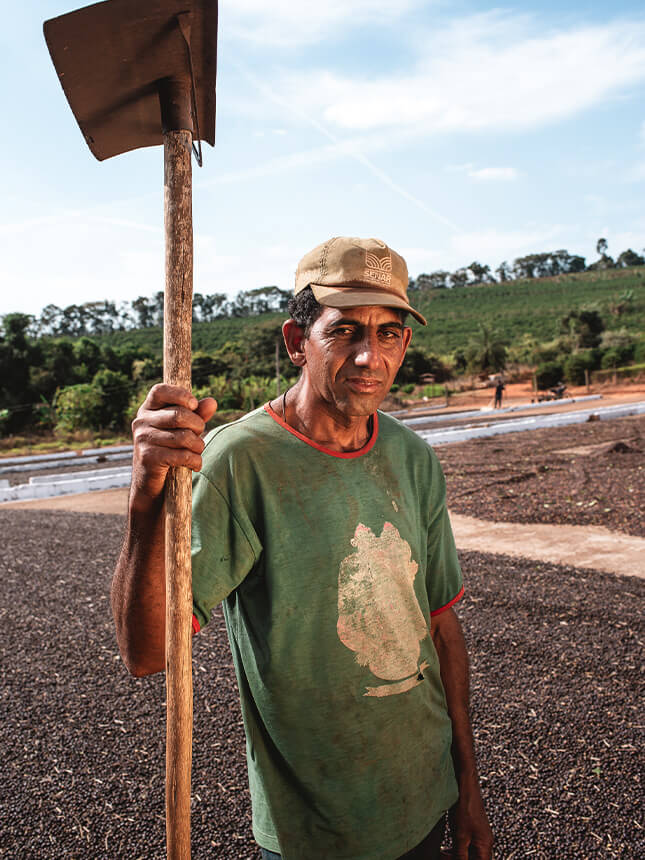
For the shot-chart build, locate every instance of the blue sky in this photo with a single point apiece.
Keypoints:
(453, 131)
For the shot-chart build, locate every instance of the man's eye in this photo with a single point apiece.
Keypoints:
(344, 331)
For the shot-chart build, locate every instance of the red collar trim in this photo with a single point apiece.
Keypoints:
(343, 455)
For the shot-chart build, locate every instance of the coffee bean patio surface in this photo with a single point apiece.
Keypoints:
(582, 474)
(556, 677)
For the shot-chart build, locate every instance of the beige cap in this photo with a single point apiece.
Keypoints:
(345, 272)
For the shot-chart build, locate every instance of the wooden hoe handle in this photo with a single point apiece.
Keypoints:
(177, 355)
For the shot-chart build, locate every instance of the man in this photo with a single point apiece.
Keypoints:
(322, 525)
(499, 390)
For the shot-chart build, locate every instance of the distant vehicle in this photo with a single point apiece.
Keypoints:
(556, 393)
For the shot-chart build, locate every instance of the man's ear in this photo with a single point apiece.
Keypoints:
(294, 340)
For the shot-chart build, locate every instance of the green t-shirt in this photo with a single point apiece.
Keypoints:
(330, 566)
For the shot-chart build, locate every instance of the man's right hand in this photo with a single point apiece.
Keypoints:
(166, 432)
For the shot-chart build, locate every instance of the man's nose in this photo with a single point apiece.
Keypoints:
(368, 353)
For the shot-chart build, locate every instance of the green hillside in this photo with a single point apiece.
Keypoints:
(533, 306)
(512, 308)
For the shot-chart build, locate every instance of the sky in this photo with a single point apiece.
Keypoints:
(454, 131)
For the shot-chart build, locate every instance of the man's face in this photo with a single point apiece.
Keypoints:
(352, 356)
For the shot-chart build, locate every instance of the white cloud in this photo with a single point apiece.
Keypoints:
(505, 174)
(284, 22)
(488, 71)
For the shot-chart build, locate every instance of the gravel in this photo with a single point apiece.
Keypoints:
(556, 677)
(526, 477)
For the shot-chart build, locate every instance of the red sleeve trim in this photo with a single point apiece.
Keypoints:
(448, 605)
(342, 455)
(196, 627)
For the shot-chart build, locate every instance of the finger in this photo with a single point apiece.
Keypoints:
(155, 438)
(154, 459)
(460, 849)
(169, 418)
(207, 408)
(162, 394)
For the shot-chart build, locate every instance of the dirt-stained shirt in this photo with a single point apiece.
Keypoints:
(330, 566)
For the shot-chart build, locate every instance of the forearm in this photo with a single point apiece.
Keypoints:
(455, 676)
(471, 833)
(166, 433)
(139, 591)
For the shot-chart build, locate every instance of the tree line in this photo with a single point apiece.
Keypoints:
(105, 317)
(544, 265)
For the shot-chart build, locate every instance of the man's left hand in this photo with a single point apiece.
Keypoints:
(472, 837)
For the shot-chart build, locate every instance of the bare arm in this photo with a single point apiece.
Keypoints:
(166, 432)
(471, 833)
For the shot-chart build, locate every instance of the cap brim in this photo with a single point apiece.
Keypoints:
(350, 297)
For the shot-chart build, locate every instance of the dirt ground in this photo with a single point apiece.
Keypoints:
(556, 651)
(556, 696)
(581, 474)
(522, 392)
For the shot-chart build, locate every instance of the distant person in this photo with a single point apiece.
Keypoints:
(321, 524)
(499, 388)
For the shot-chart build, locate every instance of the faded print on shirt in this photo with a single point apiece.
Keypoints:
(379, 617)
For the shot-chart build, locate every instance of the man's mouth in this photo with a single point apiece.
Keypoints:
(363, 384)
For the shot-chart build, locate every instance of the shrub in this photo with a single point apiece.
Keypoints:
(417, 362)
(114, 390)
(147, 369)
(433, 390)
(408, 388)
(617, 356)
(78, 407)
(575, 366)
(548, 374)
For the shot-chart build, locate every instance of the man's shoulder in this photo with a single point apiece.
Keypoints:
(391, 430)
(237, 436)
(240, 426)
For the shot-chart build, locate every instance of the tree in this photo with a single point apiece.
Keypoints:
(434, 281)
(459, 278)
(575, 366)
(629, 258)
(114, 391)
(584, 326)
(57, 367)
(605, 261)
(143, 311)
(16, 356)
(548, 374)
(87, 354)
(481, 274)
(157, 308)
(101, 317)
(77, 408)
(418, 362)
(213, 306)
(485, 352)
(504, 272)
(50, 319)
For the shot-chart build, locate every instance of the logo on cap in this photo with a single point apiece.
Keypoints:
(378, 269)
